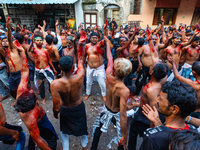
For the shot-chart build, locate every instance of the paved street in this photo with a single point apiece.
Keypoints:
(93, 106)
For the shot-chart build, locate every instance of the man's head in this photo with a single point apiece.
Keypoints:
(38, 38)
(126, 29)
(141, 31)
(66, 64)
(122, 67)
(55, 40)
(159, 71)
(94, 38)
(113, 19)
(176, 40)
(25, 102)
(36, 30)
(122, 41)
(154, 39)
(184, 140)
(48, 31)
(177, 100)
(140, 42)
(5, 42)
(63, 31)
(19, 37)
(195, 42)
(49, 39)
(196, 69)
(69, 41)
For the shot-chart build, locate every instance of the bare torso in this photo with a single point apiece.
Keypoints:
(14, 60)
(175, 53)
(51, 51)
(41, 58)
(132, 51)
(70, 52)
(146, 56)
(95, 54)
(63, 39)
(192, 55)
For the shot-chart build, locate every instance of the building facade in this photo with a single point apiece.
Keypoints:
(174, 11)
(32, 13)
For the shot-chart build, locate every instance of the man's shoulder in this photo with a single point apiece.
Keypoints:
(150, 132)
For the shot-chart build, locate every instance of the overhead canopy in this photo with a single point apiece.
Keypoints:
(38, 1)
(168, 3)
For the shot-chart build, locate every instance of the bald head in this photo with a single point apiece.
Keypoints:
(122, 67)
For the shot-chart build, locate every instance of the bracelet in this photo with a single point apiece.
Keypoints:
(189, 119)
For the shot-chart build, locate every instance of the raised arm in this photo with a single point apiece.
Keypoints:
(57, 30)
(9, 34)
(23, 85)
(191, 40)
(128, 42)
(31, 49)
(109, 69)
(44, 25)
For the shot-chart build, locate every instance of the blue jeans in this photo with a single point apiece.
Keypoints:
(20, 143)
(3, 81)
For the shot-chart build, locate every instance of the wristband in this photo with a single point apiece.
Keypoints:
(189, 119)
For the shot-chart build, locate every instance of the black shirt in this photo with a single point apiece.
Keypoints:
(158, 138)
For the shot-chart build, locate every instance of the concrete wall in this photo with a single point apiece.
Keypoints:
(78, 13)
(184, 15)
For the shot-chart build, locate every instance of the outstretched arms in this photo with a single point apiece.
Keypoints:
(109, 57)
(11, 45)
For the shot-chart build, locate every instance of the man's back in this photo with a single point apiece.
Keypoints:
(69, 90)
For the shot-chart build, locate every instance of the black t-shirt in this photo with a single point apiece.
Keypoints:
(158, 138)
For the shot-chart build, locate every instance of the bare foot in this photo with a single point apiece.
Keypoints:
(104, 98)
(2, 98)
(85, 148)
(86, 97)
(43, 101)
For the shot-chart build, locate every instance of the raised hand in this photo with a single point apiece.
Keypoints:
(148, 33)
(105, 25)
(56, 23)
(162, 19)
(106, 39)
(8, 22)
(44, 22)
(82, 37)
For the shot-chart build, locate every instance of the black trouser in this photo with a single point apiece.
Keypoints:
(97, 135)
(47, 135)
(136, 128)
(134, 66)
(142, 79)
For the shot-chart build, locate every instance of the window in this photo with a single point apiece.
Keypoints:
(136, 7)
(196, 16)
(90, 19)
(168, 13)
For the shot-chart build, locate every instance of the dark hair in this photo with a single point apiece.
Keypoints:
(18, 29)
(55, 40)
(49, 39)
(122, 37)
(185, 140)
(94, 34)
(5, 37)
(19, 37)
(66, 63)
(38, 34)
(196, 67)
(140, 41)
(25, 102)
(182, 95)
(196, 38)
(160, 70)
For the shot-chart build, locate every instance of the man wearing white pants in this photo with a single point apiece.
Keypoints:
(95, 66)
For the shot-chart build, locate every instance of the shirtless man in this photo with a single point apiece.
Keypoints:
(53, 52)
(117, 95)
(122, 51)
(145, 60)
(140, 123)
(191, 55)
(13, 60)
(3, 76)
(10, 133)
(67, 100)
(42, 62)
(95, 65)
(32, 114)
(174, 51)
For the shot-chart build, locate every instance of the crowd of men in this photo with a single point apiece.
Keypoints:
(163, 62)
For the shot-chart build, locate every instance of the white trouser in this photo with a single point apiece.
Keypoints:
(101, 78)
(65, 140)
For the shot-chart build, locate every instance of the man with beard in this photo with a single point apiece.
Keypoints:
(42, 62)
(175, 51)
(176, 101)
(95, 65)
